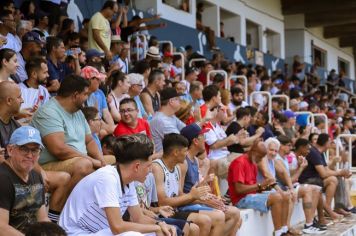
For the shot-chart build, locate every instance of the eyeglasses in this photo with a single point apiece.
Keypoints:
(25, 150)
(96, 119)
(129, 110)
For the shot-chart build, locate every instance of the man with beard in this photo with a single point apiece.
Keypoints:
(33, 93)
(237, 99)
(31, 46)
(69, 145)
(56, 68)
(150, 95)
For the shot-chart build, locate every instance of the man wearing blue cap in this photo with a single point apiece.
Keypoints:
(22, 200)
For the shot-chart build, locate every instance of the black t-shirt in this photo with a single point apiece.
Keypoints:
(6, 131)
(21, 199)
(314, 158)
(126, 32)
(234, 128)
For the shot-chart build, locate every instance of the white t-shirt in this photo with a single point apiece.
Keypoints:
(233, 107)
(84, 214)
(215, 134)
(32, 96)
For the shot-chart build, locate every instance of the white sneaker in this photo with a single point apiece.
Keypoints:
(312, 230)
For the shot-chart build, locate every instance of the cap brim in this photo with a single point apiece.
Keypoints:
(20, 143)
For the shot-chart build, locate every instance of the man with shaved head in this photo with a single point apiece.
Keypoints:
(245, 192)
(10, 102)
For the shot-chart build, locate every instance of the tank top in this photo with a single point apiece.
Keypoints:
(171, 179)
(271, 170)
(192, 175)
(155, 99)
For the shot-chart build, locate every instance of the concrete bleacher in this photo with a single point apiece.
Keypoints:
(258, 224)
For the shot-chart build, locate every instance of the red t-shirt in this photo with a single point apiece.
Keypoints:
(142, 127)
(241, 170)
(203, 110)
(202, 78)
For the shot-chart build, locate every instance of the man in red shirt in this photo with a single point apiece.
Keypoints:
(202, 77)
(245, 192)
(129, 123)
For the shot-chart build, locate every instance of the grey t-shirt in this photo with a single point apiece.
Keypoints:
(162, 124)
(52, 118)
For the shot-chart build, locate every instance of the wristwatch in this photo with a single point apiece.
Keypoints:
(259, 186)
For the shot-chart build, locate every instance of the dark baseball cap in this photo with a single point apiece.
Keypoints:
(94, 53)
(192, 131)
(32, 36)
(169, 93)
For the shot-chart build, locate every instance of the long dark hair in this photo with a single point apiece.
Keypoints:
(7, 54)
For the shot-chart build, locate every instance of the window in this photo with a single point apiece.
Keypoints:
(319, 57)
(344, 66)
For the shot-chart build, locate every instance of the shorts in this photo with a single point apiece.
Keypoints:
(183, 215)
(177, 223)
(316, 181)
(195, 207)
(67, 165)
(257, 201)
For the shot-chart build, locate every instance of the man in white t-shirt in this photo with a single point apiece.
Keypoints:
(217, 142)
(98, 202)
(33, 93)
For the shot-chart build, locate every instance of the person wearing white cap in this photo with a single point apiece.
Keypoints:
(136, 84)
(22, 200)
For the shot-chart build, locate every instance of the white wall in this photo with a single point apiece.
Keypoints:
(332, 52)
(170, 13)
(299, 42)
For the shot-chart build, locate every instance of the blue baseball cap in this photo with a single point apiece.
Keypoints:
(25, 135)
(192, 131)
(289, 114)
(93, 53)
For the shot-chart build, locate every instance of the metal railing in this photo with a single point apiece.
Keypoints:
(268, 94)
(282, 96)
(227, 84)
(167, 41)
(183, 69)
(244, 78)
(351, 137)
(138, 45)
(325, 118)
(194, 60)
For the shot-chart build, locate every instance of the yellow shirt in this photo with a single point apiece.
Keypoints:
(99, 22)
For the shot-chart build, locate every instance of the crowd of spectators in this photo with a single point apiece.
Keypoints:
(125, 146)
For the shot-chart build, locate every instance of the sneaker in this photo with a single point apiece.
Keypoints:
(322, 227)
(312, 230)
(352, 210)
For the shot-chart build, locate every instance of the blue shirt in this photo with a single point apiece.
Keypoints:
(58, 72)
(101, 99)
(142, 112)
(97, 141)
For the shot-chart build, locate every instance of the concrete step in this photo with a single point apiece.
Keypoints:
(345, 228)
